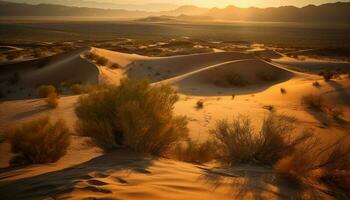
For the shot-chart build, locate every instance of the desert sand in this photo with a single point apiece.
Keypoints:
(86, 173)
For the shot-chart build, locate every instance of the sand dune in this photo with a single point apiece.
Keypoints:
(203, 81)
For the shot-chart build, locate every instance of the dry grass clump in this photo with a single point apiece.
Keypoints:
(52, 100)
(327, 75)
(239, 143)
(39, 141)
(199, 104)
(45, 90)
(267, 76)
(283, 91)
(195, 152)
(329, 164)
(134, 115)
(79, 88)
(316, 84)
(314, 102)
(100, 60)
(230, 79)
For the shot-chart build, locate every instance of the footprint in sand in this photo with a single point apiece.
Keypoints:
(120, 180)
(96, 189)
(98, 175)
(143, 171)
(96, 182)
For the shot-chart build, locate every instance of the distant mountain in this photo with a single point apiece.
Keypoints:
(331, 12)
(154, 7)
(23, 9)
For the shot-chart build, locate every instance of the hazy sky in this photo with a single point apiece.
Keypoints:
(223, 3)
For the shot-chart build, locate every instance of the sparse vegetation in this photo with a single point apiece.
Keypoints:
(195, 152)
(283, 91)
(327, 75)
(39, 141)
(314, 102)
(270, 108)
(199, 104)
(52, 100)
(115, 66)
(239, 143)
(79, 88)
(133, 115)
(45, 90)
(329, 164)
(230, 79)
(100, 60)
(267, 76)
(316, 84)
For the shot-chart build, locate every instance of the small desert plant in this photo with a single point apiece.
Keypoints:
(45, 90)
(238, 142)
(195, 152)
(115, 66)
(233, 96)
(102, 61)
(327, 75)
(314, 102)
(329, 164)
(79, 89)
(52, 100)
(283, 91)
(199, 104)
(134, 115)
(270, 108)
(316, 84)
(39, 141)
(230, 79)
(267, 77)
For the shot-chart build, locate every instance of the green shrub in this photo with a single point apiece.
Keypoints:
(39, 141)
(134, 115)
(45, 90)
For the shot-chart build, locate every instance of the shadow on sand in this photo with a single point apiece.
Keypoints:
(54, 184)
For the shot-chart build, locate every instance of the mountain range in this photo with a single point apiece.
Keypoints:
(331, 12)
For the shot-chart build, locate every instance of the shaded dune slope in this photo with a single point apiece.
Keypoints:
(256, 75)
(156, 69)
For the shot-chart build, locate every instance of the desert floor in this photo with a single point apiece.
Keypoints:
(86, 173)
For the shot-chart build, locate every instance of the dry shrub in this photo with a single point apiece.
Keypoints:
(115, 66)
(267, 76)
(230, 79)
(79, 89)
(45, 90)
(327, 75)
(100, 60)
(239, 143)
(195, 152)
(52, 100)
(134, 115)
(316, 84)
(283, 91)
(39, 141)
(314, 102)
(329, 164)
(199, 104)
